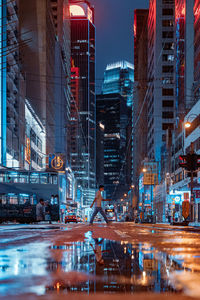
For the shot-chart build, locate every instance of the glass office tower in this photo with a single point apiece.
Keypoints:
(83, 33)
(119, 78)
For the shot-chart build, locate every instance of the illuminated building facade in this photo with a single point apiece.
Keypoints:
(160, 95)
(83, 34)
(111, 112)
(3, 96)
(184, 24)
(35, 141)
(119, 78)
(184, 28)
(196, 49)
(76, 157)
(11, 86)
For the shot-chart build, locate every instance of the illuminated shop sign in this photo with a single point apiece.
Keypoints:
(28, 150)
(57, 162)
(81, 10)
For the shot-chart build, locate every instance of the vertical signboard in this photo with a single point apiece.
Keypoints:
(151, 173)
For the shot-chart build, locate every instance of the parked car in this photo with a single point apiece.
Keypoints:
(71, 217)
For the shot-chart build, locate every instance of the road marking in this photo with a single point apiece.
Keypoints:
(122, 234)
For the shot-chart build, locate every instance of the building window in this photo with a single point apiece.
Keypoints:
(168, 57)
(166, 126)
(167, 23)
(167, 115)
(167, 34)
(168, 46)
(168, 103)
(168, 92)
(167, 12)
(168, 69)
(168, 80)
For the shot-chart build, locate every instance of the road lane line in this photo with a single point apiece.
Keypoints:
(122, 234)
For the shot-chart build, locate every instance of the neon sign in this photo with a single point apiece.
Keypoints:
(28, 151)
(57, 162)
(81, 10)
(76, 10)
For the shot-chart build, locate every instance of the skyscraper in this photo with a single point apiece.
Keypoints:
(184, 26)
(62, 73)
(119, 78)
(140, 88)
(160, 95)
(111, 113)
(46, 66)
(196, 49)
(83, 34)
(12, 132)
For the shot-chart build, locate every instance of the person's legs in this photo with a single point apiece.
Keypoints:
(95, 212)
(103, 214)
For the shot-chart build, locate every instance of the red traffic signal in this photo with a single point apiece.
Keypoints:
(183, 162)
(190, 162)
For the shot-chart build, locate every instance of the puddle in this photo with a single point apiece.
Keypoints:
(95, 265)
(38, 228)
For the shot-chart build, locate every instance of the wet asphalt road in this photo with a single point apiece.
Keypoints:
(59, 261)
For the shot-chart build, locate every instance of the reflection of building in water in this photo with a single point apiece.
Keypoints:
(125, 268)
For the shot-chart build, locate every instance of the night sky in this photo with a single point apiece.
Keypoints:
(114, 30)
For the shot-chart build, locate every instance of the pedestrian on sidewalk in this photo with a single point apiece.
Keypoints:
(40, 211)
(97, 200)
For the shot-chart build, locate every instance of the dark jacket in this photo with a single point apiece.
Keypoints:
(40, 215)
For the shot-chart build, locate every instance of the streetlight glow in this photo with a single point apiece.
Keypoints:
(187, 124)
(144, 170)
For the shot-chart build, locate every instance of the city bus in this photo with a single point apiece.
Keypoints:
(20, 191)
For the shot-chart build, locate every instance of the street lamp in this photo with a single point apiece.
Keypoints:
(187, 124)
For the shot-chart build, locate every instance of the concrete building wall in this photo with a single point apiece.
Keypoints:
(38, 61)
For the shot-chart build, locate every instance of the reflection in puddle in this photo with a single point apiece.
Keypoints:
(96, 265)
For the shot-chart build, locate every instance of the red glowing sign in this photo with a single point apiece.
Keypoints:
(81, 10)
(197, 11)
(135, 28)
(28, 150)
(76, 10)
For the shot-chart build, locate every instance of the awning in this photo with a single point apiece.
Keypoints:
(8, 188)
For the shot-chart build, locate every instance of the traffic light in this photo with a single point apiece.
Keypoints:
(190, 162)
(184, 162)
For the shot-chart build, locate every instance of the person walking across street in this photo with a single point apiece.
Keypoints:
(97, 200)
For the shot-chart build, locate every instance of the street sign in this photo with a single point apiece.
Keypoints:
(57, 162)
(185, 209)
(150, 179)
(150, 265)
